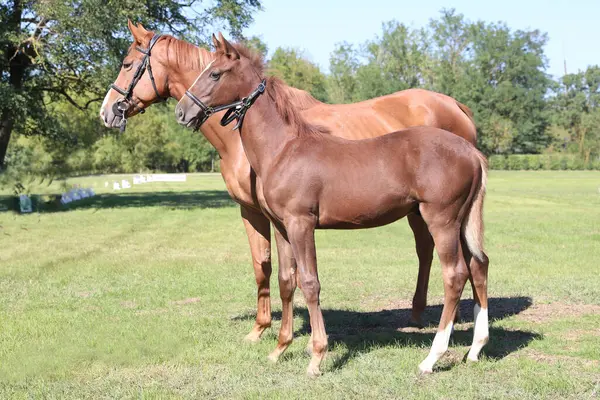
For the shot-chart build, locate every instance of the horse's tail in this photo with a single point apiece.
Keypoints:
(473, 228)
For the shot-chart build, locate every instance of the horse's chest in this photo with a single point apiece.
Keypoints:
(240, 184)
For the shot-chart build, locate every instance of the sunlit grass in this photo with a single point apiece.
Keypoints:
(148, 293)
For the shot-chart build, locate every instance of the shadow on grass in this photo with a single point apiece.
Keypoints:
(172, 200)
(362, 331)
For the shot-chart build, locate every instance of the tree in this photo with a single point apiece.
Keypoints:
(341, 83)
(394, 62)
(256, 43)
(68, 49)
(451, 42)
(576, 108)
(505, 79)
(296, 71)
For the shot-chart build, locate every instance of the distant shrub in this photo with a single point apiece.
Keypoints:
(515, 162)
(497, 161)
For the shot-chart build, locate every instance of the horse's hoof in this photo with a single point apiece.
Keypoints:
(416, 322)
(273, 357)
(313, 372)
(425, 369)
(252, 337)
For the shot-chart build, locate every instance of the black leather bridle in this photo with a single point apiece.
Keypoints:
(236, 110)
(121, 106)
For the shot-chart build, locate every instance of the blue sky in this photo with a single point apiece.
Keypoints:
(315, 26)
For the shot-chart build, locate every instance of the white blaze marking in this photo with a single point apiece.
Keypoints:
(203, 71)
(480, 332)
(438, 348)
(104, 103)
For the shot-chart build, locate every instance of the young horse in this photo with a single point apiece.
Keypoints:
(175, 64)
(308, 180)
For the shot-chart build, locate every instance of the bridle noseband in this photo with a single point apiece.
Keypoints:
(236, 110)
(121, 106)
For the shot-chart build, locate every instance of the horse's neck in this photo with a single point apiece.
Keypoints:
(264, 134)
(180, 78)
(226, 143)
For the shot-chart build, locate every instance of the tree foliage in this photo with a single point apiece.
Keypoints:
(576, 109)
(290, 65)
(68, 50)
(497, 72)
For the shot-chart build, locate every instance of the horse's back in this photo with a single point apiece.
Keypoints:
(395, 111)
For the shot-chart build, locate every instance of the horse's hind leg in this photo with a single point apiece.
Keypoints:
(455, 274)
(478, 276)
(287, 287)
(424, 245)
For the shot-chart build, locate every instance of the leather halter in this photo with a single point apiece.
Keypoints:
(236, 110)
(121, 106)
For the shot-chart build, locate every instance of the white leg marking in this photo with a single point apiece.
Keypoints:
(481, 332)
(438, 348)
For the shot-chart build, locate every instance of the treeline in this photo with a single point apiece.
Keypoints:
(500, 73)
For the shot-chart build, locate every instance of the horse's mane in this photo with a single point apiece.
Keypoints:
(187, 55)
(301, 98)
(288, 101)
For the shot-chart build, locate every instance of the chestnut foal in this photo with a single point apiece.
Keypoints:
(309, 180)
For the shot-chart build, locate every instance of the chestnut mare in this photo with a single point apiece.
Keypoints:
(175, 65)
(309, 180)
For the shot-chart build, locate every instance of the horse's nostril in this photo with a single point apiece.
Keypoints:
(180, 113)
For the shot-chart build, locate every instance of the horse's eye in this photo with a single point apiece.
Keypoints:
(215, 75)
(127, 65)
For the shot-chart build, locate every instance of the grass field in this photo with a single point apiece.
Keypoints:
(148, 293)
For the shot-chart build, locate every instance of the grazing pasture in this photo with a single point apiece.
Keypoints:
(148, 293)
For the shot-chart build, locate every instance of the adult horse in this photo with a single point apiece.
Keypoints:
(309, 180)
(158, 67)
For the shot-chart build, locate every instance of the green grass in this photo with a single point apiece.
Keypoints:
(148, 293)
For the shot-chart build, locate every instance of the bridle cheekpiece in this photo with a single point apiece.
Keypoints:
(236, 110)
(121, 106)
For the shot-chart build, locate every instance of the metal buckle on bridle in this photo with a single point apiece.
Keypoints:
(121, 106)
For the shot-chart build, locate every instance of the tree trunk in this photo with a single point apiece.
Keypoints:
(17, 63)
(582, 140)
(6, 125)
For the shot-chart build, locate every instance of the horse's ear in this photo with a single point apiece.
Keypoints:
(142, 30)
(132, 27)
(216, 42)
(140, 34)
(230, 51)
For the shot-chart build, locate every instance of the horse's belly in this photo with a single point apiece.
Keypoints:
(368, 216)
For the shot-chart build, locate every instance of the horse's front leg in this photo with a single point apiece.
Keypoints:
(258, 230)
(301, 235)
(287, 287)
